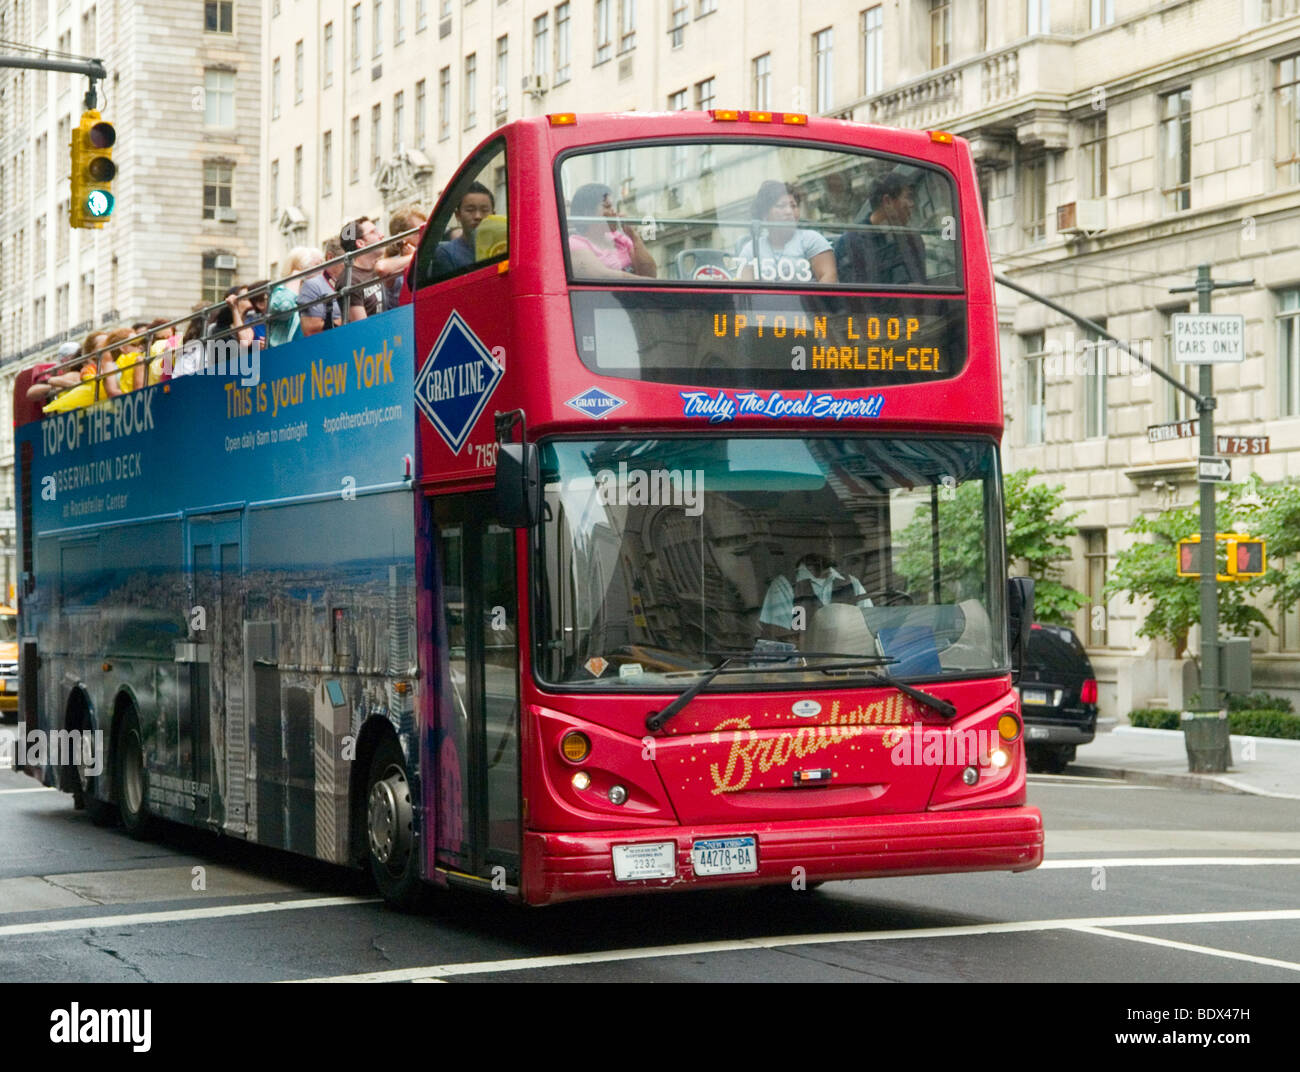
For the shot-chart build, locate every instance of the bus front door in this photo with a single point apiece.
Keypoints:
(216, 735)
(477, 693)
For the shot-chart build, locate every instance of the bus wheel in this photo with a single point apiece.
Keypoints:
(390, 824)
(133, 780)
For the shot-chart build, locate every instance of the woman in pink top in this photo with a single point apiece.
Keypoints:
(605, 247)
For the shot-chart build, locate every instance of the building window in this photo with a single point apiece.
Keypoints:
(297, 73)
(562, 44)
(399, 21)
(604, 45)
(421, 15)
(1033, 198)
(1176, 149)
(444, 103)
(470, 92)
(218, 187)
(297, 175)
(376, 135)
(38, 250)
(1178, 407)
(41, 164)
(38, 318)
(1094, 386)
(1288, 323)
(354, 149)
(940, 33)
(219, 16)
(327, 163)
(421, 114)
(762, 91)
(89, 31)
(216, 281)
(219, 98)
(873, 44)
(275, 188)
(1094, 557)
(356, 37)
(677, 101)
(1092, 153)
(377, 28)
(1101, 13)
(704, 95)
(87, 296)
(626, 26)
(677, 24)
(399, 119)
(327, 56)
(822, 69)
(705, 7)
(1038, 16)
(1286, 100)
(1035, 389)
(542, 47)
(275, 88)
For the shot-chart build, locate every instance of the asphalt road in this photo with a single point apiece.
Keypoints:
(1140, 885)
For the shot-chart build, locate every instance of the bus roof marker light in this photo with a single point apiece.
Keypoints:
(563, 119)
(794, 119)
(941, 136)
(724, 115)
(759, 117)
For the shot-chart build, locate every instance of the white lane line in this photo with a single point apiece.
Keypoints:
(34, 789)
(1173, 861)
(438, 971)
(183, 915)
(1187, 947)
(1091, 783)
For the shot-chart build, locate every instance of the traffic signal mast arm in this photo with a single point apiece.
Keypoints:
(91, 68)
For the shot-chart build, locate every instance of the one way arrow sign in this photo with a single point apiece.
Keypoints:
(1210, 470)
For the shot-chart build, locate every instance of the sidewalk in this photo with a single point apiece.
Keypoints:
(1266, 766)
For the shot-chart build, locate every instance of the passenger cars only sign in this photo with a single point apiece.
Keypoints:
(1209, 338)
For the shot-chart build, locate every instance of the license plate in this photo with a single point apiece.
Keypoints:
(1033, 696)
(1037, 733)
(655, 859)
(725, 856)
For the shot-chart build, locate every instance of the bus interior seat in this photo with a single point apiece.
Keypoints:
(839, 628)
(974, 644)
(690, 260)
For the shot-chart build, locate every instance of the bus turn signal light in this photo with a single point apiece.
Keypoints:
(575, 746)
(1008, 727)
(563, 119)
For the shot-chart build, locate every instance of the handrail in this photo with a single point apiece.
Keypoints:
(208, 312)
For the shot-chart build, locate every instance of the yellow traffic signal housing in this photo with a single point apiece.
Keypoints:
(93, 171)
(1245, 557)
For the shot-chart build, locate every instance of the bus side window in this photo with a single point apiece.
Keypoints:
(468, 228)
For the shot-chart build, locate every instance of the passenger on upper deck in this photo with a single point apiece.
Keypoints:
(399, 254)
(806, 253)
(605, 246)
(476, 203)
(44, 384)
(283, 323)
(368, 297)
(884, 256)
(318, 299)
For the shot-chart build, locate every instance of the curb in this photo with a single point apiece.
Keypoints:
(1204, 782)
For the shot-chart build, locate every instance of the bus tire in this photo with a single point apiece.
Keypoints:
(390, 828)
(131, 778)
(82, 782)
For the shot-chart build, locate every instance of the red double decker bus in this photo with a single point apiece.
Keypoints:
(698, 577)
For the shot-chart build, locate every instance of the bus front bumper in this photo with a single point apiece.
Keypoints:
(560, 867)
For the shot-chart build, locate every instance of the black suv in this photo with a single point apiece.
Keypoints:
(1058, 697)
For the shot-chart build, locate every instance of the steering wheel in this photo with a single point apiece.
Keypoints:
(888, 597)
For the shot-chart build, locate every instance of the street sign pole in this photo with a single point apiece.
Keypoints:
(1212, 751)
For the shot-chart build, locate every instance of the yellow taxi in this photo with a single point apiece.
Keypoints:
(8, 660)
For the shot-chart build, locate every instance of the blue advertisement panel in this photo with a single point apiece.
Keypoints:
(329, 414)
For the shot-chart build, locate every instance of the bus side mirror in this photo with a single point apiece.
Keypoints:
(1020, 616)
(518, 486)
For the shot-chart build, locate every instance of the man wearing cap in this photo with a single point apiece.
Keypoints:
(44, 385)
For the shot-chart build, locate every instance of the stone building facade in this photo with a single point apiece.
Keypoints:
(184, 94)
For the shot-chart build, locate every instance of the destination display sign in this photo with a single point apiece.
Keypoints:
(769, 340)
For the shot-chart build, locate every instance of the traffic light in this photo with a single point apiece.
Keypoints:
(1245, 558)
(1188, 549)
(93, 171)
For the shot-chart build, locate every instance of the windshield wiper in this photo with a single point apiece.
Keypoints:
(944, 707)
(656, 719)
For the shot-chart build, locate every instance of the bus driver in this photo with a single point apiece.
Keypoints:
(816, 583)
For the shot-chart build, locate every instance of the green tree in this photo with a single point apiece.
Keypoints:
(1148, 569)
(1271, 512)
(1036, 544)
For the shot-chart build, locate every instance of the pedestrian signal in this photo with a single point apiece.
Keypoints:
(93, 171)
(1245, 557)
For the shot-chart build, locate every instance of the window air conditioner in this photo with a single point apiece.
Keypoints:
(534, 85)
(225, 214)
(1081, 217)
(227, 261)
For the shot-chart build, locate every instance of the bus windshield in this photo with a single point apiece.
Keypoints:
(661, 557)
(777, 214)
